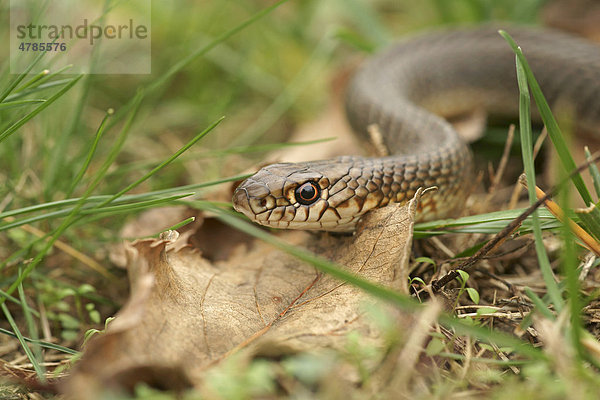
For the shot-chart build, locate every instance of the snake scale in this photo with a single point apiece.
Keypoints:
(406, 91)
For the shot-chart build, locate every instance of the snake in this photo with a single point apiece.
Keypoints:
(406, 94)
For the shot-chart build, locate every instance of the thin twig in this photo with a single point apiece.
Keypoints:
(501, 236)
(503, 161)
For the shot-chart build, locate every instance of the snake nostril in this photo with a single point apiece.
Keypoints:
(263, 203)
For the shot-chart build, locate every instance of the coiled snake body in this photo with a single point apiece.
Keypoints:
(405, 92)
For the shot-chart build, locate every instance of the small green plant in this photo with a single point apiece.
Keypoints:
(462, 278)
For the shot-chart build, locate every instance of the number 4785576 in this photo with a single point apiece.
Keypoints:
(26, 46)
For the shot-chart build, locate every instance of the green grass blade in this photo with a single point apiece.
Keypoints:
(527, 154)
(13, 128)
(36, 365)
(32, 85)
(33, 81)
(186, 188)
(355, 40)
(549, 121)
(177, 226)
(573, 291)
(19, 302)
(41, 343)
(90, 153)
(591, 220)
(38, 88)
(569, 266)
(164, 163)
(31, 326)
(67, 203)
(20, 78)
(19, 103)
(128, 208)
(594, 172)
(488, 223)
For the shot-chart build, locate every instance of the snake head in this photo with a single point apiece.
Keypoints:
(312, 196)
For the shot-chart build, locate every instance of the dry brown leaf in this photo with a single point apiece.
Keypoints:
(330, 309)
(186, 313)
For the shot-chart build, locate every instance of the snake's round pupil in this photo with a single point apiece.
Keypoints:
(307, 193)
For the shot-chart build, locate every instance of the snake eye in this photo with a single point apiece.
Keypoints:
(307, 193)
